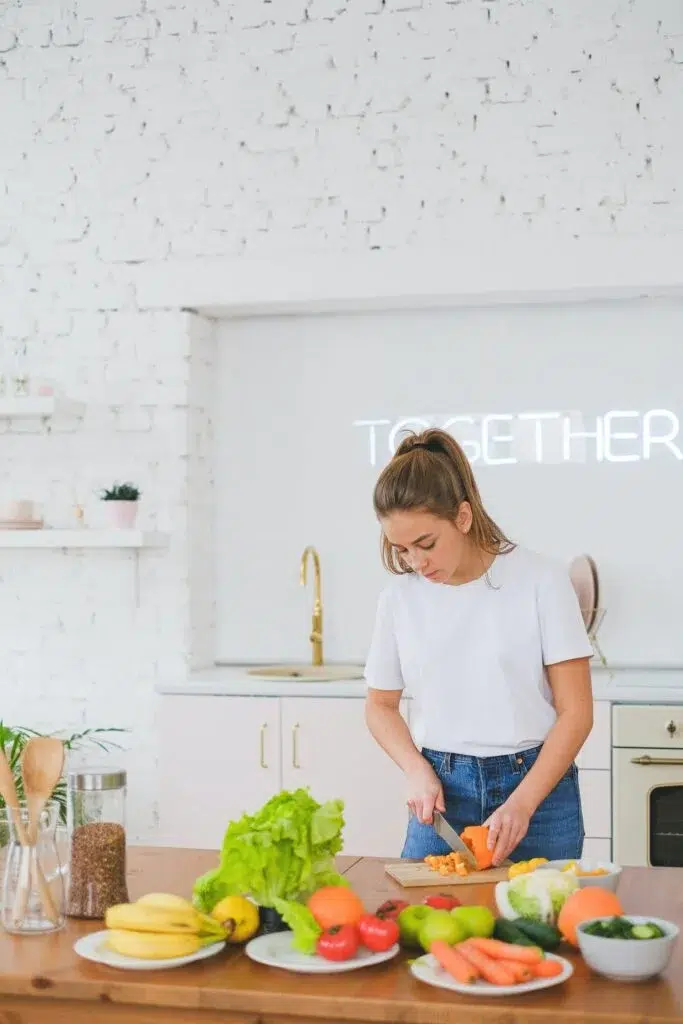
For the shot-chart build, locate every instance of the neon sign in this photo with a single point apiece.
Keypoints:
(499, 439)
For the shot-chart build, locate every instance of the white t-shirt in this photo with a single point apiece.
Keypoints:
(473, 656)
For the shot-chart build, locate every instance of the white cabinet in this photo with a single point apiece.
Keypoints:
(597, 750)
(597, 849)
(326, 745)
(219, 757)
(596, 801)
(222, 756)
(595, 782)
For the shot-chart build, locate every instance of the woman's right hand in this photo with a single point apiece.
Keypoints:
(425, 793)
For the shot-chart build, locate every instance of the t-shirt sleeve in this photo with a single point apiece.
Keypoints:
(563, 632)
(383, 665)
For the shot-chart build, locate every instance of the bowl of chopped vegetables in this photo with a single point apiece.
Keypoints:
(628, 947)
(602, 873)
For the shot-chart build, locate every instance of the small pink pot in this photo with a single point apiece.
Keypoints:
(122, 514)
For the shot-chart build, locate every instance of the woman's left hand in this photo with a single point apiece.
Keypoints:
(507, 827)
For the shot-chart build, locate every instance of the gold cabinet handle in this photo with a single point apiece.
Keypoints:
(647, 760)
(262, 746)
(295, 746)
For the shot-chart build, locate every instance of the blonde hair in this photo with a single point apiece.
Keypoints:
(431, 472)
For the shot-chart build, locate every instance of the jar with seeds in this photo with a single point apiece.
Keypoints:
(96, 813)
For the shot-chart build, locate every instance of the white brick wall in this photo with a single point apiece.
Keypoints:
(138, 130)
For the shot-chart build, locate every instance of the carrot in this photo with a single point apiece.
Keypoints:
(498, 950)
(453, 963)
(521, 972)
(494, 971)
(476, 837)
(547, 969)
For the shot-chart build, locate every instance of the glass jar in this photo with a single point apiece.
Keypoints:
(33, 872)
(96, 821)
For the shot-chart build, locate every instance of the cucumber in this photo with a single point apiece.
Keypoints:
(543, 935)
(646, 931)
(506, 931)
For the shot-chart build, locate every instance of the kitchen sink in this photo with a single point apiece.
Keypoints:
(308, 673)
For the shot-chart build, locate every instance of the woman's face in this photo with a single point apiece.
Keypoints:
(433, 547)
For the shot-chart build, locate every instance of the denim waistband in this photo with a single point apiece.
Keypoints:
(524, 757)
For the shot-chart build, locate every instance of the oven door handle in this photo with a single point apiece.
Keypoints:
(647, 760)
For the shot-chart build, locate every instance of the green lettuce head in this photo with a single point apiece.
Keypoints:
(285, 851)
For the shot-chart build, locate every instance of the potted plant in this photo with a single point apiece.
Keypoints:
(13, 741)
(123, 507)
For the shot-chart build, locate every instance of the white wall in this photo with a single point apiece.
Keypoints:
(154, 132)
(295, 466)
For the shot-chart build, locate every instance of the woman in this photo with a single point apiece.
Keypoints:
(488, 639)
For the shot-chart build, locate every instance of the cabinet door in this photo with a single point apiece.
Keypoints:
(596, 801)
(219, 757)
(597, 849)
(597, 750)
(326, 745)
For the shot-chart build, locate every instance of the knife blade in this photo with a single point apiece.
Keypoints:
(443, 829)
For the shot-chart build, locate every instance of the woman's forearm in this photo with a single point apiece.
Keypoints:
(561, 746)
(390, 730)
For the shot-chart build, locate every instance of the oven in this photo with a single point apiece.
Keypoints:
(647, 784)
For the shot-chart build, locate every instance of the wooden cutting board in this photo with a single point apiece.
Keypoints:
(411, 875)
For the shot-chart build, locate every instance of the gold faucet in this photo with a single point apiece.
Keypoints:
(316, 636)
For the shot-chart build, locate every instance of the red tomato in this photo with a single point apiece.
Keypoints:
(442, 901)
(339, 942)
(377, 933)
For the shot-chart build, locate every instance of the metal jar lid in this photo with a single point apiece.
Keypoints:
(94, 779)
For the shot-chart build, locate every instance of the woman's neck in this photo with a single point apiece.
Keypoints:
(474, 565)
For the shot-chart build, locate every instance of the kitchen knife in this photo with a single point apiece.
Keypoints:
(443, 829)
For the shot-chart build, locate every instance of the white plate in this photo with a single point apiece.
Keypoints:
(276, 951)
(93, 947)
(427, 969)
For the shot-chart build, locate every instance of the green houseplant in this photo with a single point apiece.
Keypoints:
(15, 739)
(122, 504)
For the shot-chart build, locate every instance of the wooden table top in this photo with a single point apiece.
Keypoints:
(42, 981)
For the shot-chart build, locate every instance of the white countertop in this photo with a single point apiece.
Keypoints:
(233, 681)
(620, 686)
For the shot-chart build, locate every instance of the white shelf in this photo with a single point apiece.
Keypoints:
(84, 538)
(39, 407)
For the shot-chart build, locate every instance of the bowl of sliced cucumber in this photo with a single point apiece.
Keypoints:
(628, 947)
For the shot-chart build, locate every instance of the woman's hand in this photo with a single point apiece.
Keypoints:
(425, 793)
(507, 827)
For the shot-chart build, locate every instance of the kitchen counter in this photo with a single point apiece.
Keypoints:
(42, 980)
(620, 686)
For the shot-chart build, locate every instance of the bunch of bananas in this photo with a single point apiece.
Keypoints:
(160, 926)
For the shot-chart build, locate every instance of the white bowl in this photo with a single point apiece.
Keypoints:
(609, 881)
(628, 959)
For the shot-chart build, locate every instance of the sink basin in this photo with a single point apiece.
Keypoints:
(308, 673)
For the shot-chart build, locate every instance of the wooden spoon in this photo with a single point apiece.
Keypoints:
(42, 763)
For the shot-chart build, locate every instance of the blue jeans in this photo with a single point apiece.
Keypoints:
(475, 786)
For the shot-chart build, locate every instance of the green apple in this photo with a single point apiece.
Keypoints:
(443, 926)
(410, 920)
(477, 921)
